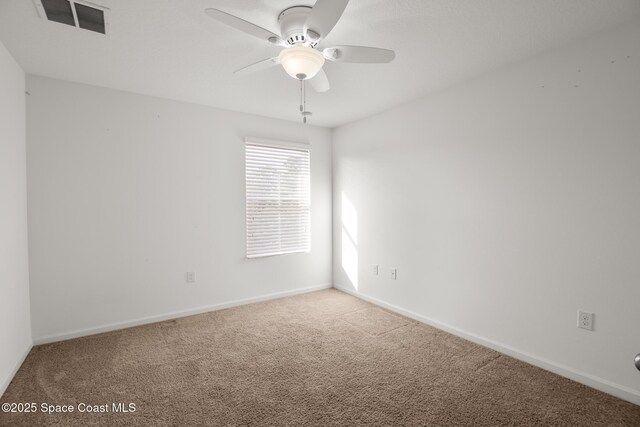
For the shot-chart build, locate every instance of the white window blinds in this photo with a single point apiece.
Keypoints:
(278, 201)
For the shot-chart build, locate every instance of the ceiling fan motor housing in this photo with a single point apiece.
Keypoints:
(292, 21)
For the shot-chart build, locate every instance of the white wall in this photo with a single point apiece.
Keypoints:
(15, 323)
(507, 203)
(127, 193)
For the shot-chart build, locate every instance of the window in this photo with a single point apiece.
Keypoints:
(278, 202)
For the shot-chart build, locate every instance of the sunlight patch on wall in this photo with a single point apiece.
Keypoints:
(350, 240)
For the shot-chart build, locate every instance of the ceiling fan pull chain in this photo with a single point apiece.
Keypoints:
(301, 107)
(304, 99)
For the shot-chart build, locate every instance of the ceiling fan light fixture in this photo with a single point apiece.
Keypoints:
(301, 62)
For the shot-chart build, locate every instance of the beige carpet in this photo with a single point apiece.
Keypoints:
(324, 358)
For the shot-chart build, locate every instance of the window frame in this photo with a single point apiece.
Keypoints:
(283, 145)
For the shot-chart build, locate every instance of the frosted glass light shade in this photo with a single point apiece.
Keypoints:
(301, 62)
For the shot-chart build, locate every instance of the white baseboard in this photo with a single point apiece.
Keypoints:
(6, 381)
(593, 381)
(173, 315)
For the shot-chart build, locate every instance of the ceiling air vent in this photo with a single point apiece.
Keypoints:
(77, 13)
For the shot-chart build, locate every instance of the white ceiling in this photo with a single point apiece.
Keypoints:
(171, 49)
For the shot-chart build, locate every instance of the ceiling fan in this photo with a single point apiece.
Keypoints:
(302, 28)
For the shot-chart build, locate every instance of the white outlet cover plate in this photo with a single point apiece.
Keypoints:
(585, 320)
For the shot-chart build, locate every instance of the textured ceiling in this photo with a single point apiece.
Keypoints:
(171, 49)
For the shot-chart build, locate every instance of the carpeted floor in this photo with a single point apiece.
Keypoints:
(323, 358)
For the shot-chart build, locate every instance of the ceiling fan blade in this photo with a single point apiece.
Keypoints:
(324, 15)
(258, 66)
(320, 82)
(360, 54)
(244, 26)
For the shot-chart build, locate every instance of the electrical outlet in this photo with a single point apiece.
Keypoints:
(394, 273)
(374, 269)
(585, 320)
(191, 276)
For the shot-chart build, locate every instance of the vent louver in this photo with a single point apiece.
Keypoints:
(90, 18)
(77, 13)
(59, 11)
